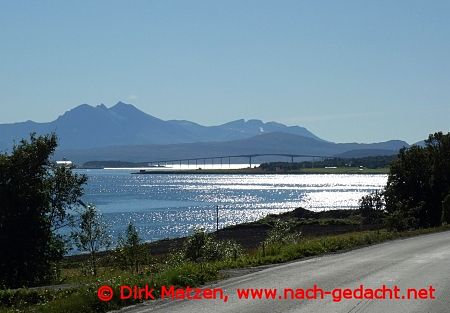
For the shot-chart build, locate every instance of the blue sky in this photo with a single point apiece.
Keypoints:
(347, 70)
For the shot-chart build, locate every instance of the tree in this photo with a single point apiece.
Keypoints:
(92, 235)
(418, 182)
(36, 197)
(131, 251)
(408, 190)
(438, 146)
(371, 207)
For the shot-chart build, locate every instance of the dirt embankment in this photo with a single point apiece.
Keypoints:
(309, 223)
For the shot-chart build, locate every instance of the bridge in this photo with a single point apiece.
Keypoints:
(250, 157)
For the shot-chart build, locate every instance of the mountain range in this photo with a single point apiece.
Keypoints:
(123, 132)
(123, 124)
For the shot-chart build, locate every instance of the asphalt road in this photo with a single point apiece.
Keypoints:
(409, 263)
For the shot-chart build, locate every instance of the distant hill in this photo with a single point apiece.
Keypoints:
(240, 129)
(124, 133)
(123, 124)
(264, 144)
(361, 153)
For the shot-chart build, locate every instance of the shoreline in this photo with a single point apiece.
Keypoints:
(251, 234)
(253, 171)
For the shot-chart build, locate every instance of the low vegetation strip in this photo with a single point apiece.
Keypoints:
(184, 273)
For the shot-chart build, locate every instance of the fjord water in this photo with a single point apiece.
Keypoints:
(171, 205)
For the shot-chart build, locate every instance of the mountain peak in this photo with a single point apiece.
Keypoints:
(83, 106)
(123, 105)
(242, 122)
(80, 109)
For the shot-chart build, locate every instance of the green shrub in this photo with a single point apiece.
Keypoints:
(131, 253)
(201, 247)
(282, 232)
(21, 298)
(371, 207)
(398, 220)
